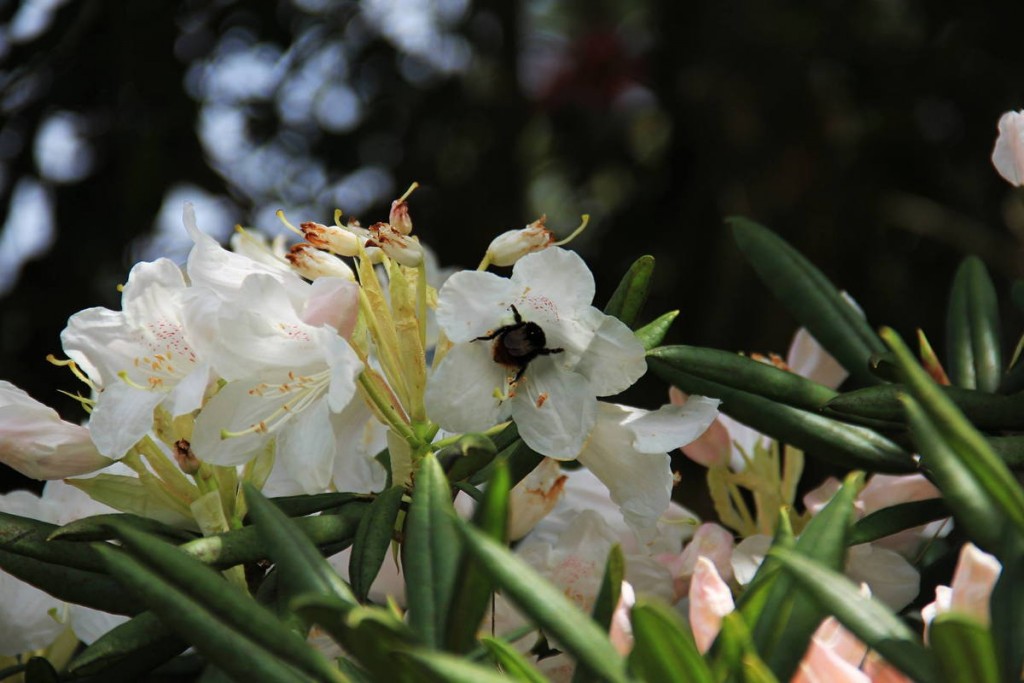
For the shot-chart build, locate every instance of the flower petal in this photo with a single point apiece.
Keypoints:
(460, 393)
(122, 416)
(306, 448)
(556, 276)
(474, 304)
(672, 426)
(710, 600)
(614, 359)
(555, 410)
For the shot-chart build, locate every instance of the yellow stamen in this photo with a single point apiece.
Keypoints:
(280, 216)
(584, 221)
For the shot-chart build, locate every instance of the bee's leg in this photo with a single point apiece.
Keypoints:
(515, 314)
(492, 335)
(548, 352)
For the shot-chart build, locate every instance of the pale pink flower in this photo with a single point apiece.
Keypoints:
(711, 542)
(973, 580)
(710, 600)
(1008, 153)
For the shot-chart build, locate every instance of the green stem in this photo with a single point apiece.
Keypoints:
(383, 404)
(449, 440)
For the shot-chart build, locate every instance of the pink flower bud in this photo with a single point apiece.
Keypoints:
(1008, 154)
(37, 443)
(311, 263)
(710, 600)
(399, 217)
(509, 247)
(404, 249)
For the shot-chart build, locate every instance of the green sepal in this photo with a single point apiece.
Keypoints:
(629, 297)
(373, 538)
(974, 358)
(814, 301)
(865, 617)
(654, 332)
(818, 436)
(430, 553)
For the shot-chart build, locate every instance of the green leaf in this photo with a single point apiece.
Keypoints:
(787, 620)
(301, 565)
(972, 329)
(654, 332)
(746, 374)
(629, 297)
(897, 518)
(521, 461)
(1006, 607)
(373, 538)
(753, 600)
(865, 617)
(81, 587)
(473, 588)
(441, 666)
(734, 657)
(469, 454)
(1009, 449)
(545, 605)
(430, 553)
(663, 647)
(511, 663)
(28, 538)
(245, 545)
(156, 566)
(985, 411)
(143, 639)
(299, 506)
(964, 649)
(831, 440)
(231, 630)
(810, 297)
(978, 487)
(97, 528)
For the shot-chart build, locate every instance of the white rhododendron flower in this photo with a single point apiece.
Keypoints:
(969, 594)
(532, 347)
(1008, 154)
(35, 441)
(138, 358)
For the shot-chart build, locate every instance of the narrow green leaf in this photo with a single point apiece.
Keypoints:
(849, 446)
(734, 657)
(972, 329)
(1006, 607)
(521, 461)
(430, 553)
(510, 662)
(985, 411)
(786, 622)
(897, 518)
(189, 615)
(865, 617)
(81, 587)
(1009, 449)
(469, 454)
(962, 463)
(473, 588)
(654, 332)
(97, 528)
(746, 374)
(245, 545)
(169, 568)
(663, 647)
(373, 538)
(964, 649)
(301, 565)
(441, 666)
(810, 297)
(300, 506)
(753, 600)
(28, 538)
(143, 635)
(545, 605)
(629, 297)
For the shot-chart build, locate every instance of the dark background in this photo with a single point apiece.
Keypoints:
(860, 131)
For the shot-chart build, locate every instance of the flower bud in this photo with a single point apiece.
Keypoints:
(399, 217)
(509, 247)
(1008, 154)
(311, 263)
(404, 249)
(37, 443)
(332, 238)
